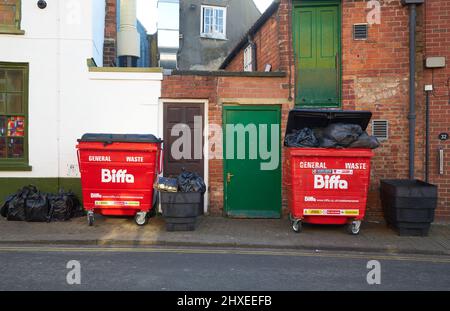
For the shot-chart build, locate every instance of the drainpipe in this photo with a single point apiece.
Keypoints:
(128, 40)
(428, 89)
(412, 82)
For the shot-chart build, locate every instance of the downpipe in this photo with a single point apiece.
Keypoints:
(412, 88)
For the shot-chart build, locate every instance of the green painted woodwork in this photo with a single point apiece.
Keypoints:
(13, 28)
(316, 33)
(19, 108)
(251, 192)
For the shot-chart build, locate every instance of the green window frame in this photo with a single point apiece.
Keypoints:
(15, 7)
(14, 117)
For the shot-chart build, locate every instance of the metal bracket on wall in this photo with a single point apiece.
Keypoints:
(441, 161)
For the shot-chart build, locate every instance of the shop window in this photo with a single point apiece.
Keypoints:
(13, 116)
(10, 15)
(214, 22)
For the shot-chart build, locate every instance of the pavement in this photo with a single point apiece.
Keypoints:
(225, 232)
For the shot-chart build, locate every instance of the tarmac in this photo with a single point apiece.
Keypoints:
(226, 232)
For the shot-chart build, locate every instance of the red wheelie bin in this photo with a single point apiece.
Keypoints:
(327, 186)
(117, 174)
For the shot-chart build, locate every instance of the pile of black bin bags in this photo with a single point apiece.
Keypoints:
(337, 135)
(29, 204)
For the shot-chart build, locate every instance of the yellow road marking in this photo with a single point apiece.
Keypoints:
(434, 259)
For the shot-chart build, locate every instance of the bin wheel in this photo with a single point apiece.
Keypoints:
(354, 227)
(90, 218)
(141, 219)
(297, 226)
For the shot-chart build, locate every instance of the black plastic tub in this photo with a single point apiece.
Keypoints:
(409, 205)
(181, 210)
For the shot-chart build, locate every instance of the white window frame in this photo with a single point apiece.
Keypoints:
(249, 58)
(214, 34)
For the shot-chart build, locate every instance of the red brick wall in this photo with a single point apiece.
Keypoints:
(267, 49)
(218, 91)
(437, 43)
(375, 78)
(109, 46)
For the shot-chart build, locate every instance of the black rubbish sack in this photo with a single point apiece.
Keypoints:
(77, 208)
(36, 208)
(365, 141)
(29, 204)
(60, 208)
(16, 209)
(4, 208)
(340, 135)
(191, 182)
(302, 138)
(64, 206)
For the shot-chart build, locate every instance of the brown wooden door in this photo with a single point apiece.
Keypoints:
(183, 113)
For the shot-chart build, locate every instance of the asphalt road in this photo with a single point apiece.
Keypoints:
(163, 269)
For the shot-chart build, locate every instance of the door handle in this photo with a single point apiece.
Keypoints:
(229, 176)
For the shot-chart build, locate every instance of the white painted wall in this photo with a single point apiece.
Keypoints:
(65, 99)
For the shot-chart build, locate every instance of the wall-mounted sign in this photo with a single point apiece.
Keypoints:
(443, 136)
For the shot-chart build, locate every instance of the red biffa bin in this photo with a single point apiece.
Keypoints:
(327, 186)
(117, 174)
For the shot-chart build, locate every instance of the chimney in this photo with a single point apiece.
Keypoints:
(128, 40)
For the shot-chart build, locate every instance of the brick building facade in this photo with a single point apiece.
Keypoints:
(375, 77)
(110, 43)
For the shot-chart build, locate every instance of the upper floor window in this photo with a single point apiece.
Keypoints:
(10, 14)
(249, 58)
(214, 22)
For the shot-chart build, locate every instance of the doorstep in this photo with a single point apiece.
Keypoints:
(225, 232)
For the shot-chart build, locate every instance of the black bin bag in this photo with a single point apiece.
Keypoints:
(29, 204)
(365, 141)
(191, 182)
(64, 206)
(16, 208)
(60, 208)
(302, 138)
(332, 128)
(4, 208)
(343, 134)
(36, 208)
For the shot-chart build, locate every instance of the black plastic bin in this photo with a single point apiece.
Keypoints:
(409, 205)
(181, 210)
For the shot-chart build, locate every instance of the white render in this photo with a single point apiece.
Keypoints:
(66, 100)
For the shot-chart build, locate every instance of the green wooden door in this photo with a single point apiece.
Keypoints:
(316, 45)
(252, 175)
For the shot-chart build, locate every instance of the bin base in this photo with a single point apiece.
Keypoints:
(119, 212)
(326, 220)
(181, 224)
(412, 229)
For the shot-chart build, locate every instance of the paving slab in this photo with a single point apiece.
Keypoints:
(225, 232)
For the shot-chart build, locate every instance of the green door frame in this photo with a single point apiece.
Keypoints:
(237, 107)
(313, 3)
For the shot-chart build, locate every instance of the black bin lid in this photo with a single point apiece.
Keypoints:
(321, 118)
(120, 138)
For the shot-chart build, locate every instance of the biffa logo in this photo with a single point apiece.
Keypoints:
(329, 182)
(117, 177)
